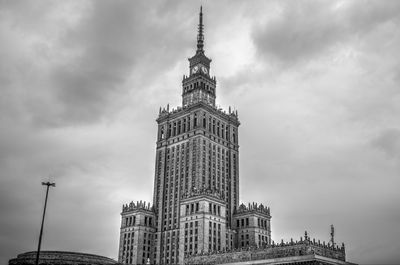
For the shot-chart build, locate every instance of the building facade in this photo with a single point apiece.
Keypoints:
(195, 207)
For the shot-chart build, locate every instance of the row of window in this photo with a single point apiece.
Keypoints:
(192, 208)
(171, 192)
(203, 120)
(170, 247)
(262, 223)
(131, 221)
(176, 169)
(191, 237)
(177, 172)
(214, 236)
(203, 85)
(244, 222)
(197, 96)
(215, 209)
(241, 222)
(147, 244)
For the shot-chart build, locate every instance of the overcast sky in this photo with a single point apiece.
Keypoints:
(316, 85)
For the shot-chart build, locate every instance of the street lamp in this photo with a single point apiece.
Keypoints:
(48, 184)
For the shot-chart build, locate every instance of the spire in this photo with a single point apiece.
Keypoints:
(200, 36)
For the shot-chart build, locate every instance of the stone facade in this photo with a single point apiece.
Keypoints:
(195, 206)
(137, 233)
(253, 226)
(196, 184)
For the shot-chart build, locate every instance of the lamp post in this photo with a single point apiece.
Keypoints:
(48, 184)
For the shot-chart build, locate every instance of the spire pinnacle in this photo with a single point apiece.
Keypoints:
(200, 36)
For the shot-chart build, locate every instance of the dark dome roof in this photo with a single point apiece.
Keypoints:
(61, 258)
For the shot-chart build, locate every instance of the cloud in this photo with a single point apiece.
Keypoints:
(316, 87)
(388, 142)
(81, 69)
(303, 30)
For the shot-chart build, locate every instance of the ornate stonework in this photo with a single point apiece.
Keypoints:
(195, 216)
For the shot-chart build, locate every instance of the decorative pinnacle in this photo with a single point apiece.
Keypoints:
(200, 36)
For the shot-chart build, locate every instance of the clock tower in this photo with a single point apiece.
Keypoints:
(199, 85)
(196, 180)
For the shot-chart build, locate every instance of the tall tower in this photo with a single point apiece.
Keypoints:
(196, 184)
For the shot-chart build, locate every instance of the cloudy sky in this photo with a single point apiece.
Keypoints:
(316, 84)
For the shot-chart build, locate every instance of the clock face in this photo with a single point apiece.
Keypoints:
(195, 69)
(204, 69)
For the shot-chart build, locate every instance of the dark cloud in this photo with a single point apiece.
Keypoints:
(93, 63)
(305, 29)
(389, 142)
(113, 43)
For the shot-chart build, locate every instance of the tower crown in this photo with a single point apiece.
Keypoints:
(200, 36)
(199, 85)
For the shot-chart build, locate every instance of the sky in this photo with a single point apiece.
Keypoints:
(316, 85)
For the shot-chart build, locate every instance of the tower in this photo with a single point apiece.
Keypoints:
(195, 217)
(196, 182)
(199, 85)
(197, 167)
